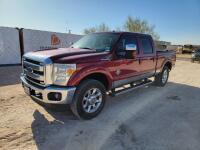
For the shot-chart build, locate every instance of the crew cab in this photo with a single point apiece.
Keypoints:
(97, 65)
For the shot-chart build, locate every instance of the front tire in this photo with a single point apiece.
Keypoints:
(162, 78)
(89, 99)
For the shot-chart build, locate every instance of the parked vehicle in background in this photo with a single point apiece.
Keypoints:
(96, 65)
(188, 49)
(196, 56)
(177, 48)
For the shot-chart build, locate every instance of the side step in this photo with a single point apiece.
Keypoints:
(133, 86)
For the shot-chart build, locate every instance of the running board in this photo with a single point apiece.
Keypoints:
(132, 87)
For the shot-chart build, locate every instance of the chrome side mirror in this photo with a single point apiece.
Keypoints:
(131, 47)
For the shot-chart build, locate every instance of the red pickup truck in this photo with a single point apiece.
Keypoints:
(93, 67)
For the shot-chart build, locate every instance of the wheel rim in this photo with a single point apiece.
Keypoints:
(92, 100)
(165, 76)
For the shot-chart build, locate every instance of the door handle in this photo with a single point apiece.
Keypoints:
(139, 61)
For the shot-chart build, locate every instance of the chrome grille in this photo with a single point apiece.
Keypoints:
(34, 71)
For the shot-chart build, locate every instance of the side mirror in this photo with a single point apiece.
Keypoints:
(131, 47)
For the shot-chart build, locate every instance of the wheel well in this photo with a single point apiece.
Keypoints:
(169, 65)
(100, 77)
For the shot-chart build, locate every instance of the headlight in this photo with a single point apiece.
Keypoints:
(62, 73)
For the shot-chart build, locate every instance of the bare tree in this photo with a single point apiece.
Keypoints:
(131, 25)
(100, 28)
(141, 26)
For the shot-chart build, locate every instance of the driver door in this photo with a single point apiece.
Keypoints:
(126, 64)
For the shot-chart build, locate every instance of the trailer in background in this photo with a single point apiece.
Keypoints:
(40, 40)
(15, 42)
(9, 46)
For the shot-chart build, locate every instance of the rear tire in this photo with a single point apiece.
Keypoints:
(89, 99)
(162, 78)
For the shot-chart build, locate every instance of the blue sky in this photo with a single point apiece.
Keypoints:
(177, 21)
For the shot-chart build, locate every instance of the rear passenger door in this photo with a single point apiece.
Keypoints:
(147, 59)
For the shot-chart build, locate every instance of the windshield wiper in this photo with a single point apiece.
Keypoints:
(86, 48)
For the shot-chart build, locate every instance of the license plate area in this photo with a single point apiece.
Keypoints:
(32, 92)
(36, 94)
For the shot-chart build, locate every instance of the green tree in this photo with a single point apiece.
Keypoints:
(141, 26)
(100, 28)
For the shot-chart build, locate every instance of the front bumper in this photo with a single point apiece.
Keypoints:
(41, 93)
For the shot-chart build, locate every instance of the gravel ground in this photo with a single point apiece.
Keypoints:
(149, 118)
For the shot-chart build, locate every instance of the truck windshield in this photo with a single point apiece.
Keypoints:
(97, 41)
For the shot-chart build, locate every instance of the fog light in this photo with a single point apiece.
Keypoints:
(54, 96)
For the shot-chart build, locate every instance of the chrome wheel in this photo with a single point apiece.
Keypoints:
(92, 100)
(165, 76)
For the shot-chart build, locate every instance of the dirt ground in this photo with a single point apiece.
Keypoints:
(184, 57)
(189, 56)
(149, 118)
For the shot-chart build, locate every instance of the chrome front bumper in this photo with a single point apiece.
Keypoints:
(67, 93)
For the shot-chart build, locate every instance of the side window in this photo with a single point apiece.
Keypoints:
(146, 45)
(126, 39)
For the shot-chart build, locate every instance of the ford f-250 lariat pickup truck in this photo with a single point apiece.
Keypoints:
(93, 67)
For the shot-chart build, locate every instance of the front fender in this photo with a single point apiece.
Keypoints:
(81, 74)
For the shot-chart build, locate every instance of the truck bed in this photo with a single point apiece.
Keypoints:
(165, 51)
(163, 55)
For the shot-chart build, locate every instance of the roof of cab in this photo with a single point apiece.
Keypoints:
(125, 32)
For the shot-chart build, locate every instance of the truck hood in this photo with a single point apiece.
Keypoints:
(67, 55)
